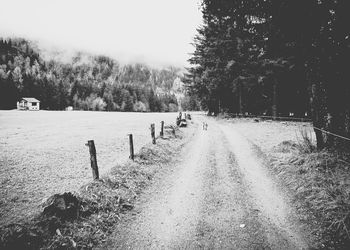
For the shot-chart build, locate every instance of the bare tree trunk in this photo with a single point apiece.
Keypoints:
(316, 115)
(240, 98)
(274, 100)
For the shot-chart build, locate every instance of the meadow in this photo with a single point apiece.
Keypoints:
(44, 152)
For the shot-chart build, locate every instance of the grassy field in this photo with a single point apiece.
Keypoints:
(44, 152)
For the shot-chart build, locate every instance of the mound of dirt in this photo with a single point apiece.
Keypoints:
(64, 206)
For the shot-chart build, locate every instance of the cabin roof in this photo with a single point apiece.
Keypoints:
(30, 99)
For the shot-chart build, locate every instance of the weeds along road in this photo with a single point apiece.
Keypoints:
(218, 196)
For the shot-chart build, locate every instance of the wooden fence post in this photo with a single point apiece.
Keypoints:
(131, 142)
(93, 159)
(161, 128)
(153, 133)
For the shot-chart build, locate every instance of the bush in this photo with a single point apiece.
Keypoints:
(173, 107)
(98, 104)
(140, 107)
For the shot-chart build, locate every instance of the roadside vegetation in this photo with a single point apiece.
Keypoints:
(316, 181)
(276, 58)
(319, 181)
(83, 219)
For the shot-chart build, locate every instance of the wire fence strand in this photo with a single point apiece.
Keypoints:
(298, 119)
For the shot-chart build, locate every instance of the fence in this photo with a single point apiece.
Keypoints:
(93, 153)
(296, 119)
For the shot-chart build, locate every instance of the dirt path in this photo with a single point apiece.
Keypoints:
(218, 196)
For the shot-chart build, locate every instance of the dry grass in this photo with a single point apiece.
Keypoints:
(320, 183)
(100, 202)
(44, 152)
(306, 143)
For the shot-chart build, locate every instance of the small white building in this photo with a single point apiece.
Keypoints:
(28, 103)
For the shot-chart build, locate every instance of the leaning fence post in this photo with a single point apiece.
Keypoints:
(161, 128)
(131, 142)
(153, 133)
(93, 159)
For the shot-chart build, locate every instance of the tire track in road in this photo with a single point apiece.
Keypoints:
(278, 217)
(229, 219)
(216, 197)
(169, 215)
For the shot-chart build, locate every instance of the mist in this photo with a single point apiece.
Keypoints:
(156, 32)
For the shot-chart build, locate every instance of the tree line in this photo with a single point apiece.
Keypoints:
(275, 57)
(86, 82)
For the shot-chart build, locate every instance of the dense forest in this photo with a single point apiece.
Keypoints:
(87, 82)
(276, 57)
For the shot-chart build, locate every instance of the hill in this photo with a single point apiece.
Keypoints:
(86, 81)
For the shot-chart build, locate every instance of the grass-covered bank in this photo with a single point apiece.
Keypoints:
(319, 182)
(91, 213)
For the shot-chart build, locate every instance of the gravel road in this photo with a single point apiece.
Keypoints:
(218, 196)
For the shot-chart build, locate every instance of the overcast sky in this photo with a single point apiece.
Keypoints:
(153, 31)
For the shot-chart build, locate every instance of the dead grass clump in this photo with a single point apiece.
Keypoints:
(321, 182)
(17, 236)
(305, 142)
(99, 206)
(172, 131)
(286, 147)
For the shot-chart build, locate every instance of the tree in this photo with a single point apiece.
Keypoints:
(262, 49)
(88, 82)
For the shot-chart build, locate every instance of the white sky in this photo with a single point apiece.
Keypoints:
(152, 31)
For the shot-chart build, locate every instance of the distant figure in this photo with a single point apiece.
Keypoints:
(205, 126)
(178, 120)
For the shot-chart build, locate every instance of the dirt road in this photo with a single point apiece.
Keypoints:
(218, 196)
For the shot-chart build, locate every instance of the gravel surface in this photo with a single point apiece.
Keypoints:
(44, 152)
(217, 196)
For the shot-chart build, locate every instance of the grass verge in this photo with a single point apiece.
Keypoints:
(84, 219)
(320, 184)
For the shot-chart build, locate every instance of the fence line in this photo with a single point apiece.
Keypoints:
(302, 119)
(277, 117)
(327, 132)
(93, 153)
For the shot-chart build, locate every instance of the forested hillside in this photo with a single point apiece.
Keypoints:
(276, 58)
(87, 82)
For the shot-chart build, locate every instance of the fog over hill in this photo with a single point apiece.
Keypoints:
(86, 81)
